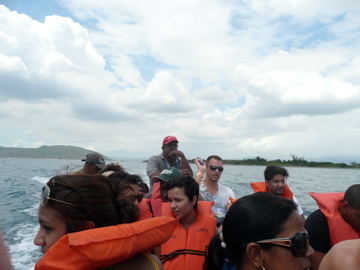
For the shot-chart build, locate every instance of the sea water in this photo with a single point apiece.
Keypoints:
(21, 181)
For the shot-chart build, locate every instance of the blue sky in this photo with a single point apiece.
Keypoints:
(235, 78)
(37, 9)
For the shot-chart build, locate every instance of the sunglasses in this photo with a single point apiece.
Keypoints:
(214, 168)
(138, 197)
(298, 243)
(45, 197)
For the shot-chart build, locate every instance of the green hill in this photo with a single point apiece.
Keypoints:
(45, 151)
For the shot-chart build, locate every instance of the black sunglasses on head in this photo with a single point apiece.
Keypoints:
(214, 168)
(298, 243)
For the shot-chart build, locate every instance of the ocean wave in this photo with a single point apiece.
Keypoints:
(40, 179)
(23, 252)
(33, 210)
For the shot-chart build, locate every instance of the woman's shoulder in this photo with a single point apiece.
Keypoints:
(145, 261)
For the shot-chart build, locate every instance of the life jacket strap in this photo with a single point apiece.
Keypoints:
(174, 254)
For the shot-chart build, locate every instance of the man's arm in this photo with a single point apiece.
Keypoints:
(153, 167)
(154, 174)
(185, 166)
(201, 170)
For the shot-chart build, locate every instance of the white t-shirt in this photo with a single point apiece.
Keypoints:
(220, 199)
(298, 207)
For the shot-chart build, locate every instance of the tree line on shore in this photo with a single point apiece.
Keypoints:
(295, 161)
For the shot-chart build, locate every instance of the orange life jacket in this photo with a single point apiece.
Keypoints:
(262, 187)
(106, 246)
(144, 209)
(186, 248)
(339, 229)
(156, 200)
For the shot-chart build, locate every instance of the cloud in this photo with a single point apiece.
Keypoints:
(238, 79)
(50, 60)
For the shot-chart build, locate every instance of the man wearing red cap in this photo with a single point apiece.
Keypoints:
(170, 157)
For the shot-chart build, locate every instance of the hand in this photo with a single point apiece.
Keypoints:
(201, 167)
(176, 153)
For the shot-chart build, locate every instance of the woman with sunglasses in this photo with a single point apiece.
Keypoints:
(196, 225)
(262, 231)
(75, 203)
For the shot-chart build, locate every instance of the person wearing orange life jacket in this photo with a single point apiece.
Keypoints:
(261, 231)
(72, 204)
(159, 194)
(127, 186)
(336, 220)
(275, 177)
(186, 248)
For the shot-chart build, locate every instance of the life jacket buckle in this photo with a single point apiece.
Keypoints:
(172, 255)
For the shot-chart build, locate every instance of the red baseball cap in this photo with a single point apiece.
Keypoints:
(169, 139)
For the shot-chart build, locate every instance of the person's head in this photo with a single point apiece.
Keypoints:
(215, 254)
(165, 176)
(214, 168)
(350, 206)
(94, 162)
(71, 203)
(127, 186)
(183, 194)
(111, 168)
(169, 144)
(255, 218)
(143, 188)
(275, 177)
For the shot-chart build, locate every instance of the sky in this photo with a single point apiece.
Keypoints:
(238, 79)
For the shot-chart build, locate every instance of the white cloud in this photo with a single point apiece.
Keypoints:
(238, 79)
(305, 11)
(52, 59)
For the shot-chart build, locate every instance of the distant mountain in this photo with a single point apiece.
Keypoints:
(45, 151)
